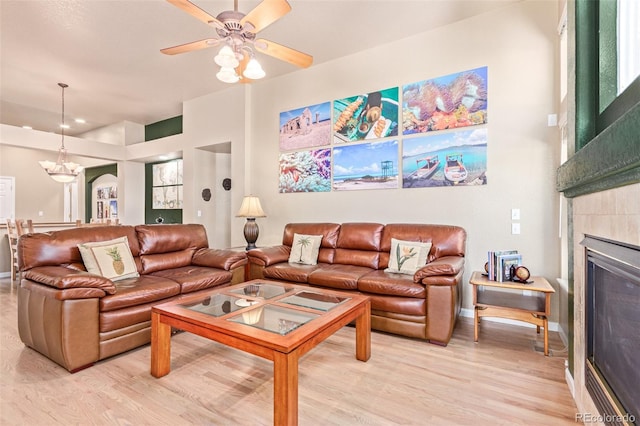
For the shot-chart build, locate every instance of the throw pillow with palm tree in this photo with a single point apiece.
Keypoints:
(303, 242)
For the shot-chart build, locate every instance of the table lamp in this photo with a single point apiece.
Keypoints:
(251, 209)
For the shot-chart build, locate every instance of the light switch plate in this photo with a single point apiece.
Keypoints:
(515, 214)
(515, 228)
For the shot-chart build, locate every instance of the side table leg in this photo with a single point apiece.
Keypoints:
(285, 389)
(363, 334)
(160, 347)
(546, 336)
(476, 320)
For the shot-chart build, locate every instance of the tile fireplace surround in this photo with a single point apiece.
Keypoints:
(613, 214)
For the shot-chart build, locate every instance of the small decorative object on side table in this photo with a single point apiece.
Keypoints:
(514, 304)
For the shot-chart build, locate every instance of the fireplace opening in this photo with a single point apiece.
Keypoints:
(612, 310)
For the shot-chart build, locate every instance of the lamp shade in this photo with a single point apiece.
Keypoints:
(226, 58)
(251, 207)
(254, 71)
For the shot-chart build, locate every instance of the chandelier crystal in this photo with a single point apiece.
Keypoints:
(62, 170)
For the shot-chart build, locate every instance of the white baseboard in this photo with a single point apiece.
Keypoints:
(5, 274)
(569, 379)
(469, 313)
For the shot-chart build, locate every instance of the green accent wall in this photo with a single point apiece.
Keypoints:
(91, 174)
(164, 128)
(150, 214)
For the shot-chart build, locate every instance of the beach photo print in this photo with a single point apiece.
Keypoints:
(445, 159)
(371, 165)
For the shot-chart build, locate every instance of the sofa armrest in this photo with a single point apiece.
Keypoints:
(447, 266)
(266, 256)
(219, 258)
(63, 278)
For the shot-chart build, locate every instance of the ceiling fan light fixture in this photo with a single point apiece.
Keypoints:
(227, 75)
(226, 58)
(254, 70)
(62, 171)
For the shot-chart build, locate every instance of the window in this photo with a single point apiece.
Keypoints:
(628, 43)
(167, 185)
(618, 41)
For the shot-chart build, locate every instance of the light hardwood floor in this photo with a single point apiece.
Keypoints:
(502, 379)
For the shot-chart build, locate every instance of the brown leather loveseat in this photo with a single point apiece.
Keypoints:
(354, 256)
(76, 318)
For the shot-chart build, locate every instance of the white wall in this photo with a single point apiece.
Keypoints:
(517, 44)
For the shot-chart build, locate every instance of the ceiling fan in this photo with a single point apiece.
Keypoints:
(237, 33)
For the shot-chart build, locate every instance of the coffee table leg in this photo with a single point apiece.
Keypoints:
(160, 347)
(363, 334)
(285, 388)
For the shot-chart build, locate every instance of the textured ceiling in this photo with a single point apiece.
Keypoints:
(108, 52)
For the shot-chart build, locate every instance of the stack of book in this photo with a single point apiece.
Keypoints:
(502, 264)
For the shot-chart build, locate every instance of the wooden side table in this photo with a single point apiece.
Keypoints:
(534, 309)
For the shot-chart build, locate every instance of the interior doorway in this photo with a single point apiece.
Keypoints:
(7, 198)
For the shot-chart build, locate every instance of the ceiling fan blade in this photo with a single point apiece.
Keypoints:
(265, 14)
(196, 12)
(283, 53)
(189, 47)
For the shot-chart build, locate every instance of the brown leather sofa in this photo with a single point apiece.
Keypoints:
(353, 257)
(76, 318)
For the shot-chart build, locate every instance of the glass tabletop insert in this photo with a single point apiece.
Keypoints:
(273, 318)
(215, 305)
(319, 301)
(262, 290)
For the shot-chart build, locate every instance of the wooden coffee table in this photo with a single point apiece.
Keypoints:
(277, 321)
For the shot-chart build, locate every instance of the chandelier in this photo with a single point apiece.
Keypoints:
(62, 170)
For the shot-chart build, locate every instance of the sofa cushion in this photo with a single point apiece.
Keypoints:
(399, 305)
(136, 291)
(366, 258)
(155, 239)
(329, 232)
(111, 259)
(194, 278)
(160, 261)
(381, 282)
(295, 272)
(406, 257)
(56, 248)
(360, 236)
(338, 276)
(446, 240)
(305, 248)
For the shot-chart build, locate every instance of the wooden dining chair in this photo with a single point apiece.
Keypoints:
(12, 235)
(24, 226)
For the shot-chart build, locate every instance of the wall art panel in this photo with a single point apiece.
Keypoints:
(445, 159)
(370, 116)
(371, 165)
(305, 127)
(449, 102)
(305, 171)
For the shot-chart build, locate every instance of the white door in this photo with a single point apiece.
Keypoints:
(7, 198)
